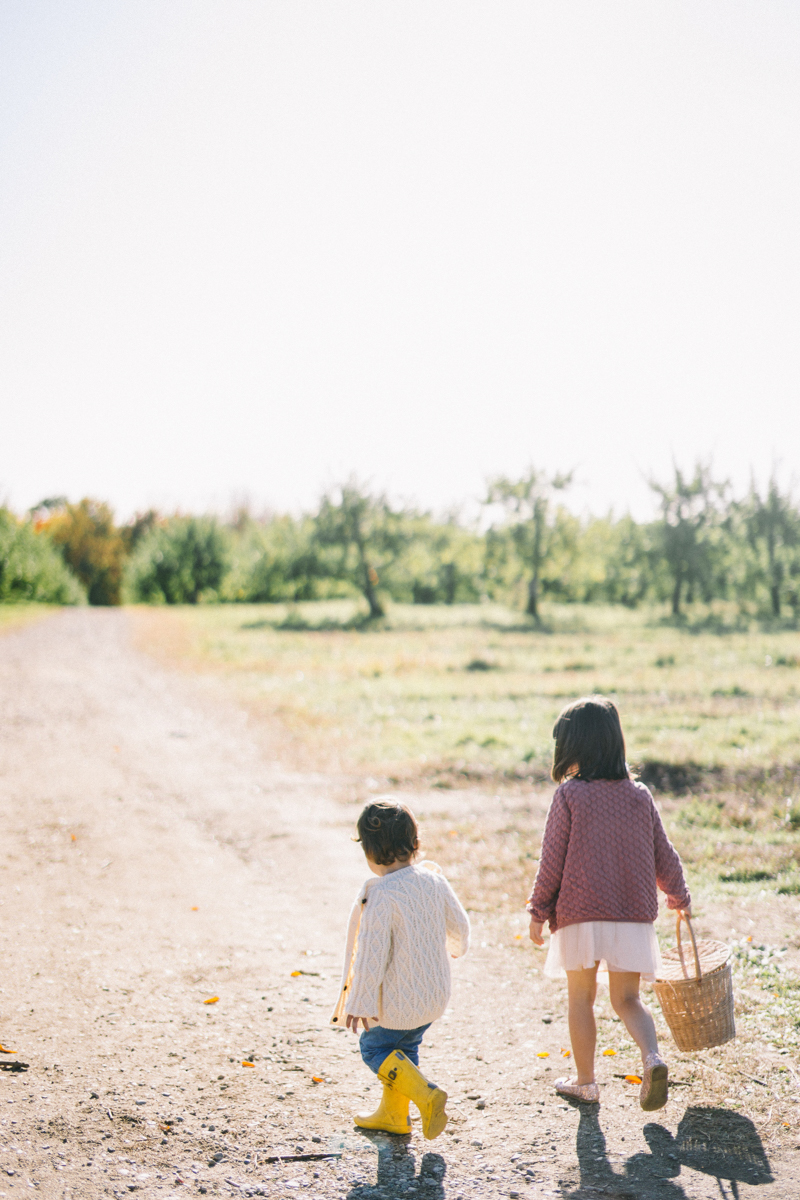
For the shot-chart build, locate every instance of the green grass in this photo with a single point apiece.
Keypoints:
(13, 616)
(474, 690)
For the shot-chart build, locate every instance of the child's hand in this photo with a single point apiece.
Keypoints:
(352, 1022)
(536, 932)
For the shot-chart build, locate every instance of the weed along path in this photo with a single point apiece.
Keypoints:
(172, 908)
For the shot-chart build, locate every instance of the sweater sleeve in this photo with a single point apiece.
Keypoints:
(542, 902)
(352, 928)
(374, 948)
(456, 923)
(669, 870)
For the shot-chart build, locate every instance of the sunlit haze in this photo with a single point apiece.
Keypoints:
(249, 248)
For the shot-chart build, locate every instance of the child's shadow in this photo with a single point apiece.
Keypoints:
(643, 1174)
(714, 1141)
(397, 1171)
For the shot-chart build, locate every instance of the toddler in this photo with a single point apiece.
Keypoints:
(604, 853)
(396, 977)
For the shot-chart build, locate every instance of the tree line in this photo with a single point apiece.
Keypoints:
(702, 544)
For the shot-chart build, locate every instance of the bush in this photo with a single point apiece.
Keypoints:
(274, 560)
(180, 561)
(91, 546)
(31, 568)
(442, 563)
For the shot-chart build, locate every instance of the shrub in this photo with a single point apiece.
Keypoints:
(91, 545)
(441, 563)
(273, 560)
(746, 875)
(179, 561)
(137, 528)
(31, 568)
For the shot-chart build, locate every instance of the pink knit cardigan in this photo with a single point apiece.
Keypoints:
(604, 852)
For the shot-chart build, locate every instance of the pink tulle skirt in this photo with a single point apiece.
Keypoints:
(615, 945)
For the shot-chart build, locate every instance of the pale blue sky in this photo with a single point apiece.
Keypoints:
(249, 247)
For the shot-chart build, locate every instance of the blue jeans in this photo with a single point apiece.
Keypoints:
(378, 1043)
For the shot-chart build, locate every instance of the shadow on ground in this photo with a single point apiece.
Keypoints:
(714, 1141)
(397, 1171)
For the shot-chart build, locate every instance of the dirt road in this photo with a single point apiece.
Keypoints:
(155, 858)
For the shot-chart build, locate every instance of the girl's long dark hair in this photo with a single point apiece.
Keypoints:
(589, 741)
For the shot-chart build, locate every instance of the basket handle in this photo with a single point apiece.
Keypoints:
(682, 916)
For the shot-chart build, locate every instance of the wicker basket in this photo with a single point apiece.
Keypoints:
(697, 999)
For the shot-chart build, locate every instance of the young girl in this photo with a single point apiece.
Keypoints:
(396, 971)
(604, 853)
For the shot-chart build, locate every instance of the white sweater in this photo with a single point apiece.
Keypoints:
(403, 926)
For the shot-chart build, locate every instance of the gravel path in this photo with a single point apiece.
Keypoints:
(155, 858)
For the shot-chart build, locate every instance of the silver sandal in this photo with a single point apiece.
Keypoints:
(588, 1093)
(654, 1091)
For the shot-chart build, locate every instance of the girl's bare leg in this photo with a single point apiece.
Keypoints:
(582, 990)
(623, 987)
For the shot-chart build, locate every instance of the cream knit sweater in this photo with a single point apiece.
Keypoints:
(403, 926)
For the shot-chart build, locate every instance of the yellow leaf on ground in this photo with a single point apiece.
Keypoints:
(296, 973)
(246, 1063)
(633, 1079)
(3, 1050)
(609, 1051)
(195, 907)
(317, 1079)
(211, 1000)
(566, 1053)
(543, 1054)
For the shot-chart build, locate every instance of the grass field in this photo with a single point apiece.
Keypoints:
(451, 697)
(473, 690)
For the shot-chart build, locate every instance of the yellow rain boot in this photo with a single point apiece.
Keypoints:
(400, 1073)
(391, 1115)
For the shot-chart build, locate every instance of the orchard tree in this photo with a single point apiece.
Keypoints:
(90, 543)
(529, 520)
(687, 536)
(458, 554)
(31, 567)
(273, 558)
(442, 562)
(772, 522)
(366, 534)
(178, 560)
(137, 528)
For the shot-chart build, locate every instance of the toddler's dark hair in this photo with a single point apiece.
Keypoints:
(388, 832)
(589, 737)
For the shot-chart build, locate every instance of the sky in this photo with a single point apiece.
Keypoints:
(250, 247)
